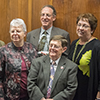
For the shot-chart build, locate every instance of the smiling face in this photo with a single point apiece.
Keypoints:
(83, 29)
(47, 18)
(17, 35)
(56, 49)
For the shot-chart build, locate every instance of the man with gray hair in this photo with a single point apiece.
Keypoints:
(40, 37)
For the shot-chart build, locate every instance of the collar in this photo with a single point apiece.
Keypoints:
(57, 61)
(17, 48)
(48, 30)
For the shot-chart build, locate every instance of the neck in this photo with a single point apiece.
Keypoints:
(83, 41)
(53, 58)
(46, 27)
(17, 44)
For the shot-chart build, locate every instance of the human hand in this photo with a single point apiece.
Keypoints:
(1, 98)
(43, 53)
(43, 98)
(98, 94)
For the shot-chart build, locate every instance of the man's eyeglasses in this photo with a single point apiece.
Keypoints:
(46, 15)
(54, 46)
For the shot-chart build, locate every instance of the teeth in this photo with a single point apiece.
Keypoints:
(15, 36)
(80, 32)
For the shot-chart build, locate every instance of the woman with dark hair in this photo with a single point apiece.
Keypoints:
(81, 52)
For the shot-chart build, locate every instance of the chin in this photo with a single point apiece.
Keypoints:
(45, 25)
(15, 40)
(52, 56)
(51, 53)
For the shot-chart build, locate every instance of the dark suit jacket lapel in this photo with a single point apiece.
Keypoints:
(46, 69)
(53, 32)
(36, 37)
(58, 72)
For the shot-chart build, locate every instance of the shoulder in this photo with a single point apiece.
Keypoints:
(40, 60)
(59, 30)
(68, 62)
(29, 45)
(34, 31)
(96, 45)
(73, 43)
(6, 47)
(2, 43)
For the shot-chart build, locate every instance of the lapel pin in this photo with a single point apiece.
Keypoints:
(61, 67)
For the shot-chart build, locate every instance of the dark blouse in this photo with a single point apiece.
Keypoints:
(10, 68)
(83, 61)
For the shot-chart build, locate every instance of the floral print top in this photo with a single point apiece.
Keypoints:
(10, 68)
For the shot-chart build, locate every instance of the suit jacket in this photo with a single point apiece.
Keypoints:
(33, 36)
(64, 83)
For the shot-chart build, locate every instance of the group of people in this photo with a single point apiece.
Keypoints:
(47, 67)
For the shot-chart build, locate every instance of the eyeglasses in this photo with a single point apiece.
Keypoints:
(83, 26)
(54, 46)
(45, 15)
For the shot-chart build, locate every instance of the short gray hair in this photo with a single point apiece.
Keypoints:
(18, 22)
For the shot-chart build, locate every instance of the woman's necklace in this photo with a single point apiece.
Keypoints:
(73, 58)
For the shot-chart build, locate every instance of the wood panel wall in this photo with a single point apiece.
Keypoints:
(29, 11)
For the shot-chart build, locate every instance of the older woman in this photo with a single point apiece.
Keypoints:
(15, 61)
(81, 53)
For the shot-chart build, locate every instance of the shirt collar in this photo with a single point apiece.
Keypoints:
(48, 30)
(57, 61)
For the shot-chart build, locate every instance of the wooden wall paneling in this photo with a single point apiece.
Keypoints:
(29, 15)
(71, 9)
(24, 8)
(15, 9)
(94, 7)
(29, 11)
(3, 21)
(65, 18)
(59, 6)
(36, 8)
(12, 12)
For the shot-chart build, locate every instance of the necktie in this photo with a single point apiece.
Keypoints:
(51, 79)
(42, 42)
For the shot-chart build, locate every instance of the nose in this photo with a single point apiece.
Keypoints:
(45, 16)
(53, 47)
(15, 32)
(81, 27)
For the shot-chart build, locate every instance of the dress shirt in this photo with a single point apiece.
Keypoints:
(57, 61)
(48, 37)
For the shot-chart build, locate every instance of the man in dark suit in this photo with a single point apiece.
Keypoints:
(48, 16)
(64, 81)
